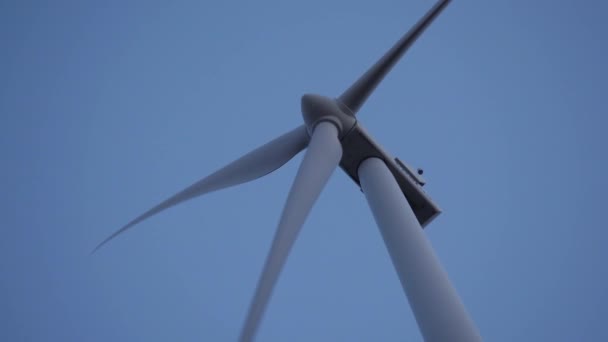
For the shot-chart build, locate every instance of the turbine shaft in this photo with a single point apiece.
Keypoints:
(439, 312)
(355, 96)
(251, 166)
(321, 159)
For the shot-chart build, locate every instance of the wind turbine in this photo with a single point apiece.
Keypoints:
(393, 190)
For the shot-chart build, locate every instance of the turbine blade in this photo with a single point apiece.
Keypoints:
(322, 157)
(355, 96)
(253, 165)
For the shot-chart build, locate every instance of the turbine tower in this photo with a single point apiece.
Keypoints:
(333, 136)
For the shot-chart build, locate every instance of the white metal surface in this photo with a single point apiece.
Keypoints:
(439, 312)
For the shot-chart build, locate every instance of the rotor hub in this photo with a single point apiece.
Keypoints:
(317, 108)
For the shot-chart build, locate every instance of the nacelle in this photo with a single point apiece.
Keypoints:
(358, 145)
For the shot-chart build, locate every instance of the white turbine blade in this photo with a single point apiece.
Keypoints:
(322, 157)
(355, 96)
(253, 165)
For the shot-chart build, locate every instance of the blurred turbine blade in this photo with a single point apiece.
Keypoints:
(321, 159)
(355, 96)
(253, 165)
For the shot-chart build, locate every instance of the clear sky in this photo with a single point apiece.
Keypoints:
(107, 108)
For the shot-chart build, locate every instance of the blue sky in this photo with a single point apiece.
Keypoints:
(106, 109)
